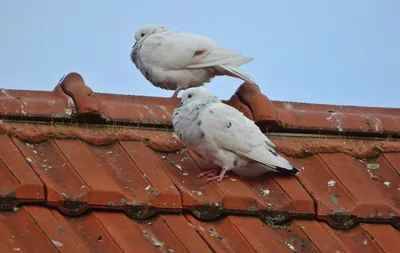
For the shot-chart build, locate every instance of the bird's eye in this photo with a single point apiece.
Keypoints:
(190, 95)
(142, 34)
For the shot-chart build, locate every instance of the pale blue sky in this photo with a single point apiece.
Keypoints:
(335, 52)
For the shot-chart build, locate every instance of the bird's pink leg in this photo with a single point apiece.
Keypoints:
(219, 177)
(175, 95)
(208, 173)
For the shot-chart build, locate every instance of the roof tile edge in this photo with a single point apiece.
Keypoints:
(157, 111)
(318, 118)
(84, 97)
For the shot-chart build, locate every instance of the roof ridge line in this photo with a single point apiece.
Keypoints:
(73, 101)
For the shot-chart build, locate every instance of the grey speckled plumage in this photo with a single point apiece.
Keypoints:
(225, 137)
(176, 60)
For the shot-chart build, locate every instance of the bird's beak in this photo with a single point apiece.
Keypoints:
(134, 45)
(180, 104)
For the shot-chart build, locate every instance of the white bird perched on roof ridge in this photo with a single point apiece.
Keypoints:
(225, 137)
(175, 60)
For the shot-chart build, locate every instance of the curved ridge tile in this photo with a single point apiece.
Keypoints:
(137, 109)
(339, 119)
(235, 102)
(44, 104)
(84, 98)
(261, 107)
(300, 117)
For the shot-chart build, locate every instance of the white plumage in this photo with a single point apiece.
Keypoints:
(224, 136)
(176, 60)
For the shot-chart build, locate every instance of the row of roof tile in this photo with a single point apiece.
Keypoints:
(72, 99)
(148, 176)
(38, 229)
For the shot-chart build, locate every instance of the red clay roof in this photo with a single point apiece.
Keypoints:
(89, 170)
(38, 229)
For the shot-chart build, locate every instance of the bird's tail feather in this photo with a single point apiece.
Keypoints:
(286, 171)
(239, 61)
(236, 72)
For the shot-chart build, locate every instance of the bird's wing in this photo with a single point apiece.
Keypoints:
(178, 50)
(232, 131)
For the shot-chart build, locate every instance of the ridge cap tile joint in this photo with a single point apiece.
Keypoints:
(260, 105)
(85, 99)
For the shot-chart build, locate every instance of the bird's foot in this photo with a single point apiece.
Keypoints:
(175, 95)
(209, 173)
(216, 178)
(219, 177)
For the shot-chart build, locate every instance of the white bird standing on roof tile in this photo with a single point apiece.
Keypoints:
(225, 137)
(176, 60)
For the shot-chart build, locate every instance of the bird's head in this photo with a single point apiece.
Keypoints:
(147, 30)
(197, 95)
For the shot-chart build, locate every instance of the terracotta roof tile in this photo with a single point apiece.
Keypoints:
(318, 118)
(38, 229)
(39, 104)
(17, 181)
(146, 178)
(73, 99)
(118, 108)
(85, 101)
(348, 190)
(209, 201)
(111, 176)
(82, 168)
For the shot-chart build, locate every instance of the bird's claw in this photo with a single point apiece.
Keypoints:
(214, 176)
(207, 173)
(217, 178)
